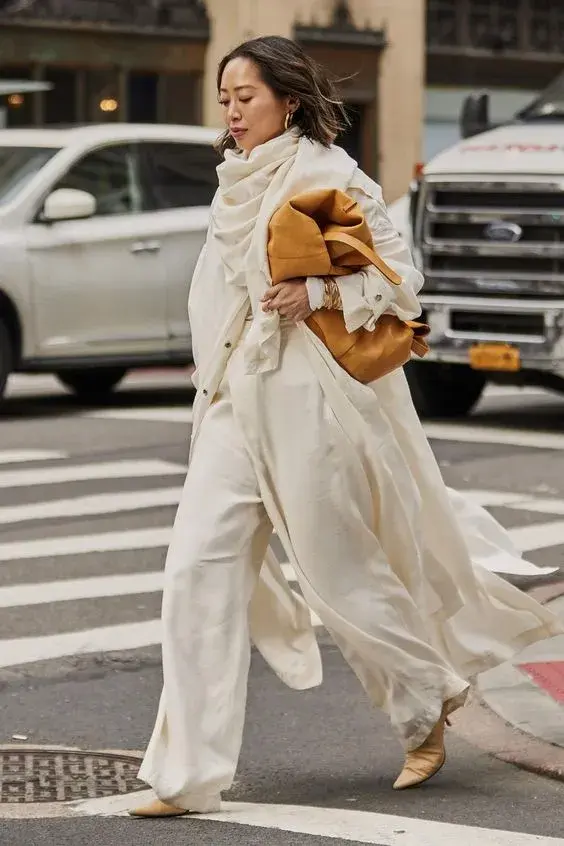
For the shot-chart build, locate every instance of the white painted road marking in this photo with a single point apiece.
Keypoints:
(82, 544)
(88, 472)
(538, 536)
(24, 650)
(463, 432)
(333, 823)
(118, 638)
(68, 590)
(17, 456)
(477, 434)
(82, 506)
(147, 415)
(527, 538)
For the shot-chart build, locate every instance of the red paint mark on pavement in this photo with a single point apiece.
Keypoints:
(549, 676)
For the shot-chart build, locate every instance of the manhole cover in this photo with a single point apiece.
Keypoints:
(36, 775)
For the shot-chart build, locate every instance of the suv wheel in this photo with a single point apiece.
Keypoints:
(6, 356)
(444, 390)
(92, 383)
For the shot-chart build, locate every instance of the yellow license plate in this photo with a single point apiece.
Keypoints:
(494, 357)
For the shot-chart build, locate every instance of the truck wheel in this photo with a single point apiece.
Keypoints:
(444, 390)
(94, 383)
(6, 356)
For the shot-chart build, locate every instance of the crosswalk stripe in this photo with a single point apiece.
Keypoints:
(17, 456)
(96, 587)
(88, 472)
(538, 536)
(105, 639)
(82, 544)
(517, 502)
(466, 433)
(489, 499)
(545, 506)
(148, 415)
(82, 506)
(118, 638)
(472, 434)
(527, 538)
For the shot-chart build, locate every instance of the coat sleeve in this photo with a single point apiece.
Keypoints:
(367, 295)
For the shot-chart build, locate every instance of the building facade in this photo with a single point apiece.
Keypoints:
(155, 60)
(510, 48)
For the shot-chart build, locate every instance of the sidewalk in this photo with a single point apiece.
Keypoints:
(528, 695)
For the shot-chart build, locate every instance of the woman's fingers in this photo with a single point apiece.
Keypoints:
(290, 299)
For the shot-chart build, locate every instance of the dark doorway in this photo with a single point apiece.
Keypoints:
(351, 139)
(61, 101)
(143, 96)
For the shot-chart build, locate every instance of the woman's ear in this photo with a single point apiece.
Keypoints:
(293, 104)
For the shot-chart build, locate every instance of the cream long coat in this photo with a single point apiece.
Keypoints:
(442, 547)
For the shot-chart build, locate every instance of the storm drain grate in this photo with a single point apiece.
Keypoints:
(60, 776)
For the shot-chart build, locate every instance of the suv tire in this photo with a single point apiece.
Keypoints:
(6, 356)
(92, 383)
(444, 390)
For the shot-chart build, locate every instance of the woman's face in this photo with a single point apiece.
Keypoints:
(252, 112)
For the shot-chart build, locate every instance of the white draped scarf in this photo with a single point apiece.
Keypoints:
(251, 188)
(243, 185)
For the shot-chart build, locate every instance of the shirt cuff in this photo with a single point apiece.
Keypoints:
(315, 292)
(365, 296)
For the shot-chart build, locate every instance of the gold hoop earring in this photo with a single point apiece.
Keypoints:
(288, 121)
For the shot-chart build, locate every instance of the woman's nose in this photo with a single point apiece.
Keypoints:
(234, 113)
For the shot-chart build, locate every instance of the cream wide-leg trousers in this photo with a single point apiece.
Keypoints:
(220, 537)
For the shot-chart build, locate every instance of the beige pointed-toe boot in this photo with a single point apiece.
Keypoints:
(157, 809)
(424, 762)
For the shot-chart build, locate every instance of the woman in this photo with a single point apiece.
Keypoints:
(285, 440)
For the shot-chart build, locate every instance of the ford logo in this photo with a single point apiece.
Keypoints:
(499, 230)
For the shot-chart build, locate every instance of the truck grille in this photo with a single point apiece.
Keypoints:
(493, 238)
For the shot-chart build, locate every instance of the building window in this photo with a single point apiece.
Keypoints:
(60, 103)
(442, 23)
(494, 24)
(546, 33)
(497, 25)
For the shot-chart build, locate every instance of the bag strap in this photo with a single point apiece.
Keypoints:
(372, 257)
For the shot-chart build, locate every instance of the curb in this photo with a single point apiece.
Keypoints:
(481, 726)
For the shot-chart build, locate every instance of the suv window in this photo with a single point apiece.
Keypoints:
(181, 175)
(18, 165)
(111, 176)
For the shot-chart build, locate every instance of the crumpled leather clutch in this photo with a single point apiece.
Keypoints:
(324, 233)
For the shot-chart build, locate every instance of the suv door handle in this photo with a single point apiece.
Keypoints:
(145, 247)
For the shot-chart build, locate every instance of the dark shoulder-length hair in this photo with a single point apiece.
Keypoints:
(290, 72)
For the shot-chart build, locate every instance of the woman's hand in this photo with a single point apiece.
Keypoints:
(290, 299)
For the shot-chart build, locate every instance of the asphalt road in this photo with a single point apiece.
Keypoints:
(87, 497)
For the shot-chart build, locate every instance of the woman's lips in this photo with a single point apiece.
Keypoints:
(237, 133)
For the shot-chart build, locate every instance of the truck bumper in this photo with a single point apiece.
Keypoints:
(535, 327)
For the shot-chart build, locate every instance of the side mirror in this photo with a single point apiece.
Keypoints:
(68, 204)
(475, 115)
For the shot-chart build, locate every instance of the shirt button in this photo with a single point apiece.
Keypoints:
(205, 393)
(228, 345)
(378, 298)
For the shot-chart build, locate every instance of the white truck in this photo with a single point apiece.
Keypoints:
(486, 223)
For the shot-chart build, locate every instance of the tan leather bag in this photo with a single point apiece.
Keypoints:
(324, 233)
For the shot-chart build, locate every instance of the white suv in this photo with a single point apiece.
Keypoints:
(100, 229)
